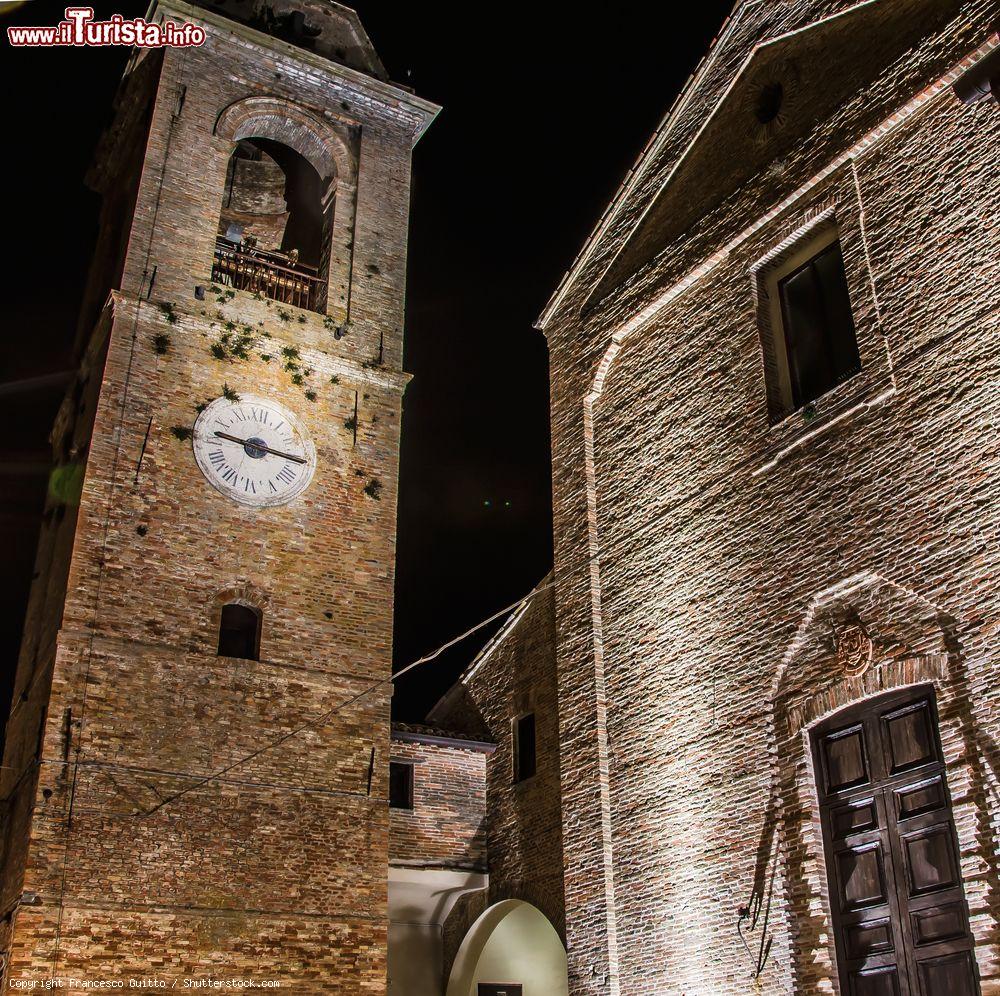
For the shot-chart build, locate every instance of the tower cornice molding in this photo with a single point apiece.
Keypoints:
(328, 364)
(393, 99)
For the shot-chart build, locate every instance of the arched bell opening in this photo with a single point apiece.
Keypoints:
(274, 221)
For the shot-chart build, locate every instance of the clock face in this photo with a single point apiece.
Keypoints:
(254, 451)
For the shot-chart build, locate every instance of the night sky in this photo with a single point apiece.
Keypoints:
(546, 106)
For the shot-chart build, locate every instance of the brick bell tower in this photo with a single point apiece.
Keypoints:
(216, 568)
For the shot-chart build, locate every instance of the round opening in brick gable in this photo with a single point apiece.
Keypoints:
(769, 102)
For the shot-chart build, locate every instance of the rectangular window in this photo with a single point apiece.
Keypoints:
(400, 785)
(821, 349)
(239, 632)
(524, 747)
(807, 333)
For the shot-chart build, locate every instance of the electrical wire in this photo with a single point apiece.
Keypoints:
(330, 713)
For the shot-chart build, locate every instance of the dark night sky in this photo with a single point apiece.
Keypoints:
(545, 108)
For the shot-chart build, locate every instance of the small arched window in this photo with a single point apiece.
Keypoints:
(239, 632)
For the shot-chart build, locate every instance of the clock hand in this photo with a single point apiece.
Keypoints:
(259, 446)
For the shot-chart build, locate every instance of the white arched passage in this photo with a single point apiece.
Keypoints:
(511, 943)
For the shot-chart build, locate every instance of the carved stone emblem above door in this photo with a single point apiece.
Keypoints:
(854, 646)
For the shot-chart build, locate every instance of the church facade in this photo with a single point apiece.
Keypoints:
(774, 373)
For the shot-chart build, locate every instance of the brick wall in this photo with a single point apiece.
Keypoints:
(515, 675)
(447, 825)
(700, 553)
(275, 868)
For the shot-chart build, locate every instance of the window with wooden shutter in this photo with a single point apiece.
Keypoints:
(820, 343)
(808, 337)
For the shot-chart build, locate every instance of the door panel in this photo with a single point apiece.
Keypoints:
(876, 982)
(900, 919)
(924, 797)
(854, 818)
(951, 975)
(938, 923)
(869, 938)
(930, 860)
(846, 761)
(861, 873)
(909, 738)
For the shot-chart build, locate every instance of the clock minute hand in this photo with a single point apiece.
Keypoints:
(260, 446)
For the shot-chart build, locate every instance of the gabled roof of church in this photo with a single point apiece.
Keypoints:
(453, 696)
(763, 84)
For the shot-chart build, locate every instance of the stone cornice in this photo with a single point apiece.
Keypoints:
(393, 98)
(325, 363)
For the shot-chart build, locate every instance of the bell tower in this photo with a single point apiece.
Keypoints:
(195, 772)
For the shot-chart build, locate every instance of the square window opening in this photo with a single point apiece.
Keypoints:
(239, 632)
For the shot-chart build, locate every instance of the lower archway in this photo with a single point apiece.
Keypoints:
(511, 945)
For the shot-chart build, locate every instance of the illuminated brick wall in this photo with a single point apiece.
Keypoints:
(447, 825)
(271, 863)
(515, 675)
(702, 555)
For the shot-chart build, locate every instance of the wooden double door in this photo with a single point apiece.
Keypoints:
(899, 910)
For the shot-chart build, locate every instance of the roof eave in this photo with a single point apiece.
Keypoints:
(391, 94)
(648, 152)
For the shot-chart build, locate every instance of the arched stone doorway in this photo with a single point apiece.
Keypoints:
(861, 639)
(511, 943)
